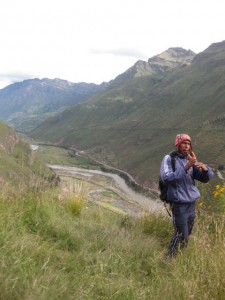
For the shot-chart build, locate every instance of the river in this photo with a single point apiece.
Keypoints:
(146, 202)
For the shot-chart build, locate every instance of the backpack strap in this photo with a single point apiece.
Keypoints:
(173, 156)
(167, 210)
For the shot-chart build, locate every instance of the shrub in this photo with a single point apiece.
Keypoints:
(75, 204)
(74, 195)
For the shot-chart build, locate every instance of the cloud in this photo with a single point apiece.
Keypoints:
(120, 52)
(14, 77)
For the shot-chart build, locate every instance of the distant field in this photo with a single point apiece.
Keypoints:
(62, 156)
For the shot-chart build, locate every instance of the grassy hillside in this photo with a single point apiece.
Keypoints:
(56, 244)
(18, 166)
(133, 124)
(70, 249)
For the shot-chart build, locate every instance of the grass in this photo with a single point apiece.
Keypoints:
(56, 245)
(18, 163)
(111, 207)
(50, 252)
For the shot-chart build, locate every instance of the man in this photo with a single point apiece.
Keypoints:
(182, 192)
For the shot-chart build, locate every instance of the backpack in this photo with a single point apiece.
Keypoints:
(163, 187)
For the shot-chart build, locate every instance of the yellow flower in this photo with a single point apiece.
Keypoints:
(215, 193)
(217, 186)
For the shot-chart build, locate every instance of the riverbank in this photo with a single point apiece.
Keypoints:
(126, 203)
(108, 190)
(96, 164)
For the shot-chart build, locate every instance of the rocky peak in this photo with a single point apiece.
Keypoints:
(158, 64)
(170, 59)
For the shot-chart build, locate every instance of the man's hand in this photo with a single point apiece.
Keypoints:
(191, 162)
(202, 166)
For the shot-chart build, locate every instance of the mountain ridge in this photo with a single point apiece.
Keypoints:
(36, 99)
(158, 64)
(26, 104)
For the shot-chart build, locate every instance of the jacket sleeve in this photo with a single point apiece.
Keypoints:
(166, 171)
(202, 175)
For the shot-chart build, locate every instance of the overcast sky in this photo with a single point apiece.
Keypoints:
(96, 40)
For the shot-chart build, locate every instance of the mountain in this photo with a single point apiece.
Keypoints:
(158, 64)
(133, 124)
(26, 104)
(117, 125)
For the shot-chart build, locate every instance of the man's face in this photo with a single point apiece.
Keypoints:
(185, 147)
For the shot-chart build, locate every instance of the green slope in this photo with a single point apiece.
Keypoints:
(18, 165)
(133, 124)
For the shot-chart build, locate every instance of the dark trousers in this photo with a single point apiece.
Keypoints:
(183, 222)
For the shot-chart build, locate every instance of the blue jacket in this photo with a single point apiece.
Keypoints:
(181, 183)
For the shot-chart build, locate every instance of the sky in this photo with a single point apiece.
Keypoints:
(96, 40)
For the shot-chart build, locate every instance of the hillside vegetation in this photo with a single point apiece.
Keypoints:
(66, 248)
(18, 166)
(56, 244)
(133, 124)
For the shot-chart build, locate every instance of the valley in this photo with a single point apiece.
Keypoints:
(107, 190)
(132, 124)
(80, 162)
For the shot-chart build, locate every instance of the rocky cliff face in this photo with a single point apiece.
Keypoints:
(170, 59)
